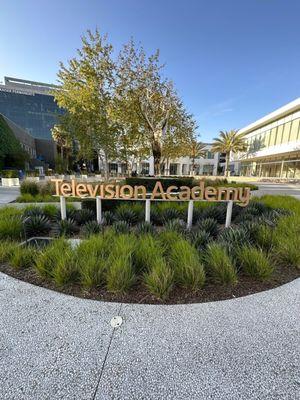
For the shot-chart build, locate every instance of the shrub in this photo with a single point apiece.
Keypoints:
(22, 257)
(6, 250)
(254, 263)
(146, 253)
(65, 227)
(144, 227)
(155, 216)
(46, 189)
(91, 228)
(218, 213)
(11, 228)
(50, 211)
(82, 216)
(127, 214)
(121, 227)
(176, 225)
(65, 270)
(219, 265)
(9, 173)
(46, 260)
(200, 240)
(170, 213)
(167, 240)
(185, 262)
(37, 225)
(33, 211)
(29, 187)
(208, 225)
(108, 218)
(120, 275)
(288, 252)
(159, 280)
(234, 237)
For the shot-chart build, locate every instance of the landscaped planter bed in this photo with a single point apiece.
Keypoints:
(126, 259)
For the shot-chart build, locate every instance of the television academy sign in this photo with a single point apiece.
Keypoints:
(240, 195)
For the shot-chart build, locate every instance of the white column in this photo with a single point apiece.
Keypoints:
(147, 210)
(99, 209)
(190, 214)
(228, 213)
(63, 210)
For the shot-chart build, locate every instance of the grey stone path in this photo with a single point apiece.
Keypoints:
(54, 346)
(8, 194)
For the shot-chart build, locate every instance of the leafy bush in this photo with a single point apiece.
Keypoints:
(254, 263)
(120, 275)
(185, 262)
(91, 228)
(33, 211)
(50, 211)
(234, 237)
(218, 213)
(176, 225)
(159, 280)
(29, 187)
(147, 252)
(37, 225)
(22, 257)
(168, 214)
(144, 227)
(219, 265)
(9, 173)
(127, 214)
(82, 216)
(47, 259)
(108, 218)
(66, 227)
(6, 250)
(200, 240)
(46, 189)
(208, 225)
(121, 227)
(11, 228)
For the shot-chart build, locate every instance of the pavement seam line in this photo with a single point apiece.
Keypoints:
(105, 358)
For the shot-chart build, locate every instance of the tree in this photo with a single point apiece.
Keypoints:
(86, 92)
(227, 142)
(146, 103)
(197, 150)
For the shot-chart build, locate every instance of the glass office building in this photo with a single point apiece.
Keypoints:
(29, 105)
(273, 145)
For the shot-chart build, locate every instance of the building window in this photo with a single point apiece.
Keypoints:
(294, 130)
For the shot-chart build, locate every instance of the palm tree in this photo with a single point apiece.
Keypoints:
(197, 150)
(227, 142)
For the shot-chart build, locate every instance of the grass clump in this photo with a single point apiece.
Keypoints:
(219, 265)
(46, 260)
(6, 250)
(11, 228)
(22, 257)
(29, 187)
(254, 263)
(147, 253)
(185, 262)
(159, 280)
(120, 275)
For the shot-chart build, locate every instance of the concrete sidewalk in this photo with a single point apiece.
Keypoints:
(54, 346)
(8, 194)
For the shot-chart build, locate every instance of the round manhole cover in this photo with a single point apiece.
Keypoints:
(116, 321)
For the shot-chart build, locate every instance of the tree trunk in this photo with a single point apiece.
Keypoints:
(106, 171)
(226, 172)
(156, 152)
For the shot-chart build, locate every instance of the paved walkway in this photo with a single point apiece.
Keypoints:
(289, 189)
(8, 194)
(54, 346)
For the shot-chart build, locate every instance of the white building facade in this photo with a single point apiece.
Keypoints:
(273, 145)
(207, 165)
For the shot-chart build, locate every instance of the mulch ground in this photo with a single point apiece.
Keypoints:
(139, 294)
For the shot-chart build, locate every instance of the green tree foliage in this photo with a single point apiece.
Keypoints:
(227, 142)
(11, 152)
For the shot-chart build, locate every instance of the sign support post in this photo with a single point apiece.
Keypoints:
(99, 209)
(147, 210)
(190, 214)
(228, 213)
(63, 210)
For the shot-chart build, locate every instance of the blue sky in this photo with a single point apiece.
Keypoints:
(232, 61)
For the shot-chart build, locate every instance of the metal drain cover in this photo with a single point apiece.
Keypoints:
(116, 321)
